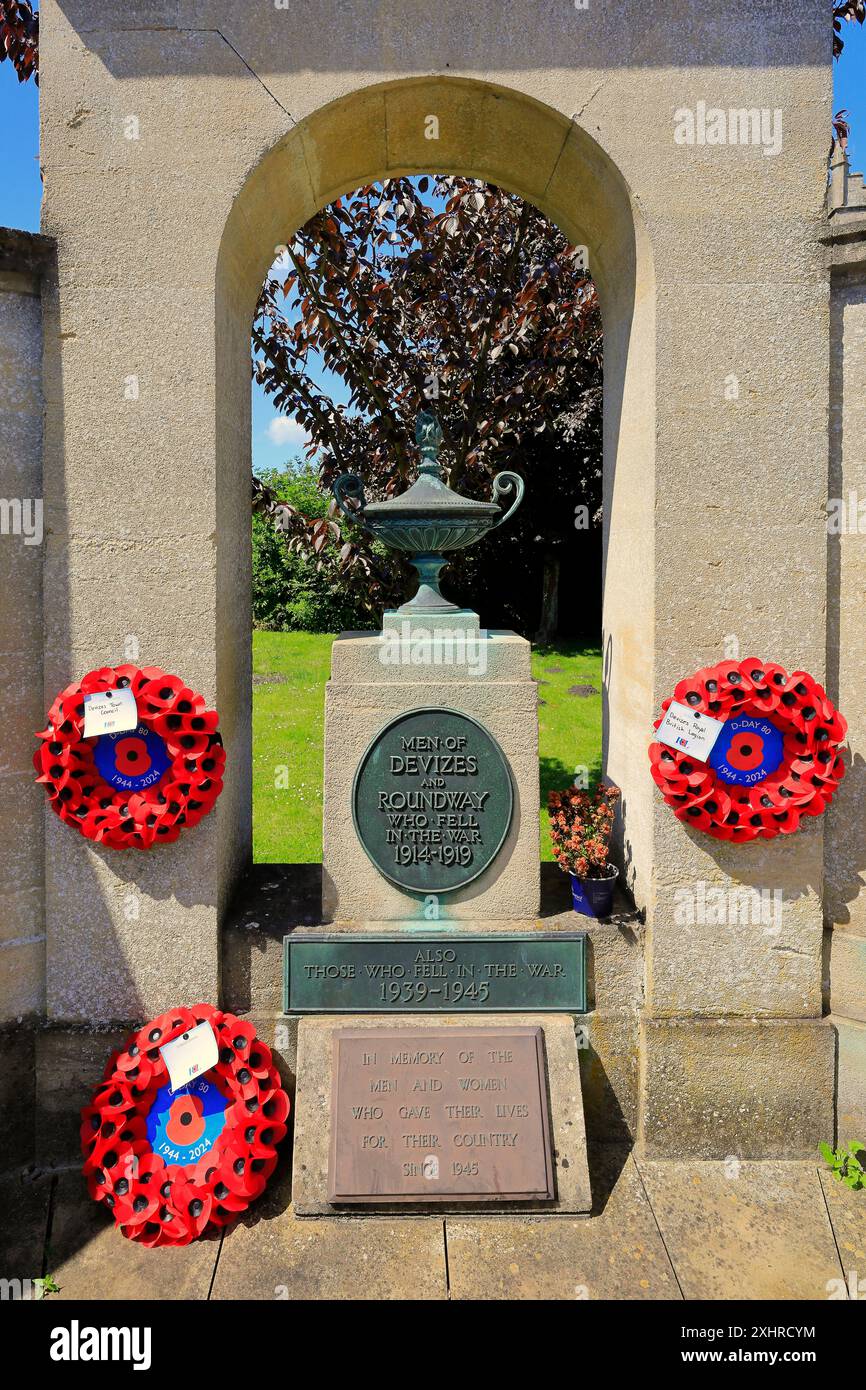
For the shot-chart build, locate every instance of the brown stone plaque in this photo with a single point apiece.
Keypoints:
(439, 1114)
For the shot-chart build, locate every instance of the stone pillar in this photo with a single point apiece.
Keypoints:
(23, 259)
(733, 1006)
(838, 190)
(146, 492)
(845, 850)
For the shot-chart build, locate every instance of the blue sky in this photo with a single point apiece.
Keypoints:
(276, 439)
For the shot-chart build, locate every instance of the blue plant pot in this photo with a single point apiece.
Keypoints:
(593, 897)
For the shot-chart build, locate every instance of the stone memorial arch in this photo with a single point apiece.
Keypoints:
(183, 141)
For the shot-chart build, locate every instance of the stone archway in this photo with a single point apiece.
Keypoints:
(509, 139)
(248, 126)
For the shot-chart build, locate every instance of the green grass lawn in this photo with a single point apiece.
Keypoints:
(289, 674)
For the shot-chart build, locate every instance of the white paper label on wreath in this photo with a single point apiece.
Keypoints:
(689, 731)
(190, 1055)
(110, 712)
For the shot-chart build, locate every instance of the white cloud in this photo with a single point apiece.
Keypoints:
(285, 431)
(281, 265)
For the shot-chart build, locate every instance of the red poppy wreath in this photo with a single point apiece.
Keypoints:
(171, 1165)
(142, 786)
(775, 758)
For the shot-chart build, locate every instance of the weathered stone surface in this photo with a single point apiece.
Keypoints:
(848, 974)
(69, 1067)
(376, 659)
(273, 899)
(313, 1102)
(25, 1202)
(615, 961)
(846, 563)
(89, 1259)
(22, 930)
(848, 1218)
(271, 1254)
(608, 1048)
(131, 916)
(753, 1089)
(850, 1079)
(764, 958)
(743, 1230)
(17, 1094)
(358, 704)
(616, 1253)
(22, 983)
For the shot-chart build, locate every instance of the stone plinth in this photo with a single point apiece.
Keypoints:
(850, 1079)
(735, 1088)
(372, 681)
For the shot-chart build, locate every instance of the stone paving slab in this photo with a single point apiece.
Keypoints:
(744, 1229)
(90, 1259)
(272, 1254)
(848, 1216)
(616, 1253)
(762, 1234)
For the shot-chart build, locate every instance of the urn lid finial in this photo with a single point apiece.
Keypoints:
(428, 437)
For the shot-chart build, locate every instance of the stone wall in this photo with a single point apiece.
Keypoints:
(23, 259)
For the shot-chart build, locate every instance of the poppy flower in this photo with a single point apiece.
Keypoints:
(746, 751)
(185, 1120)
(131, 756)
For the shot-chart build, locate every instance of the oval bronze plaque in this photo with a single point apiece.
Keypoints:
(432, 800)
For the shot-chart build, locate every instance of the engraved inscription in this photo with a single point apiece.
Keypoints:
(488, 972)
(445, 1115)
(433, 800)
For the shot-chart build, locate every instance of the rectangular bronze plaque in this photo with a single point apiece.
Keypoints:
(415, 972)
(439, 1115)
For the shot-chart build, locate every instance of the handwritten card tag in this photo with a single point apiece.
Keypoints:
(689, 731)
(190, 1055)
(110, 712)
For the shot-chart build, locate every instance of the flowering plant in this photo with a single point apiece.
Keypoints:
(580, 829)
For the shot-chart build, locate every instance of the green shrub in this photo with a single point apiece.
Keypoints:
(294, 591)
(844, 1163)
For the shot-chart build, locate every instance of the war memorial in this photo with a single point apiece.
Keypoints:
(422, 1061)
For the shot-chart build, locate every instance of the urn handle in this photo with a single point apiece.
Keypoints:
(349, 485)
(503, 486)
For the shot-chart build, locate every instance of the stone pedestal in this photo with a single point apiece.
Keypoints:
(313, 1115)
(374, 678)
